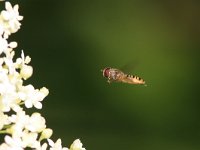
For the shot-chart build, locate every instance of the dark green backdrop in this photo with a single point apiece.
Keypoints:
(70, 41)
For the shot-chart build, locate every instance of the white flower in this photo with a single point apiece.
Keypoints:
(13, 143)
(3, 120)
(46, 134)
(22, 61)
(57, 145)
(5, 46)
(77, 145)
(11, 13)
(20, 120)
(16, 130)
(9, 63)
(27, 127)
(36, 123)
(26, 71)
(24, 131)
(4, 146)
(11, 17)
(32, 97)
(8, 95)
(29, 139)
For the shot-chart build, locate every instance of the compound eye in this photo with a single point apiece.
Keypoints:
(106, 72)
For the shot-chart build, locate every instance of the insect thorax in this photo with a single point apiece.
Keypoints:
(115, 74)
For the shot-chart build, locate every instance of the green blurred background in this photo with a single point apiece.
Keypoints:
(70, 41)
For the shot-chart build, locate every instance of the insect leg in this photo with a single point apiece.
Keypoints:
(109, 80)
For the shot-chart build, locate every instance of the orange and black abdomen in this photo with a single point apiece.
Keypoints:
(132, 79)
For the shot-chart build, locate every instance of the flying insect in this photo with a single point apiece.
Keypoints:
(116, 75)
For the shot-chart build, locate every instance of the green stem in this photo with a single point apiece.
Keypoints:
(7, 126)
(3, 131)
(21, 103)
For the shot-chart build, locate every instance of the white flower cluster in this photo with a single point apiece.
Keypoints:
(21, 130)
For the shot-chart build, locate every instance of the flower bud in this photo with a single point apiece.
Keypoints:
(77, 145)
(13, 44)
(26, 71)
(46, 134)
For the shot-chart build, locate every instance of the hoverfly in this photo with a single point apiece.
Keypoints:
(117, 75)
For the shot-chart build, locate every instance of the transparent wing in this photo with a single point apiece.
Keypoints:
(130, 66)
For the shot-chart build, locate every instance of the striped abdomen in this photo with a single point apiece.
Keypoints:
(132, 79)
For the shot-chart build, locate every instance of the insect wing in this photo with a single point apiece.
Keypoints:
(130, 66)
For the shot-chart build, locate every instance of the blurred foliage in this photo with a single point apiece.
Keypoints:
(71, 41)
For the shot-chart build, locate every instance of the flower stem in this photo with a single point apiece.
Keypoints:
(3, 131)
(21, 103)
